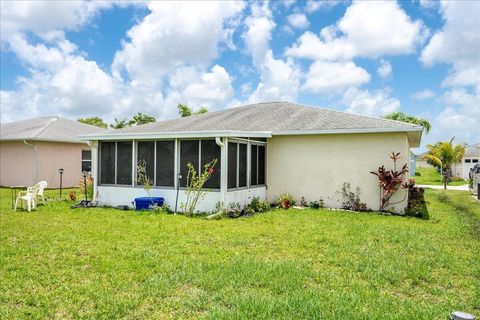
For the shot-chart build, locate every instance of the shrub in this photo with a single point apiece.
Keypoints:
(194, 190)
(73, 195)
(317, 204)
(257, 206)
(89, 182)
(389, 181)
(418, 174)
(303, 202)
(234, 210)
(416, 203)
(351, 200)
(163, 209)
(286, 201)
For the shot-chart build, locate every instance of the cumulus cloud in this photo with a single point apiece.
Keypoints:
(423, 94)
(333, 77)
(457, 43)
(279, 79)
(384, 70)
(368, 29)
(298, 21)
(315, 5)
(370, 103)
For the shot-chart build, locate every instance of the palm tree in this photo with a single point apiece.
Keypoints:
(400, 116)
(186, 111)
(443, 155)
(141, 118)
(119, 124)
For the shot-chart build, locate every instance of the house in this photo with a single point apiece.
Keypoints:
(263, 150)
(413, 160)
(469, 159)
(421, 162)
(35, 149)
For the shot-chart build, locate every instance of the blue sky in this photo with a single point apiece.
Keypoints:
(114, 59)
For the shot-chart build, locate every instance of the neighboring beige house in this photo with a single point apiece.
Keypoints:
(470, 159)
(263, 150)
(420, 162)
(34, 150)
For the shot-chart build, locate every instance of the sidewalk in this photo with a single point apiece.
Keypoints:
(459, 188)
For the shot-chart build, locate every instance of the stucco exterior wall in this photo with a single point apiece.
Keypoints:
(17, 163)
(316, 166)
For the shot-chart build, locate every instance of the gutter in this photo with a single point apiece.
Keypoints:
(34, 160)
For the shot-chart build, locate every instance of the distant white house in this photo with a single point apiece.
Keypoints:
(470, 159)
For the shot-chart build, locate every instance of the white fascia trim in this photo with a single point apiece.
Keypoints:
(343, 131)
(172, 135)
(82, 141)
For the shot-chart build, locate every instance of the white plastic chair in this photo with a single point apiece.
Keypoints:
(41, 186)
(27, 197)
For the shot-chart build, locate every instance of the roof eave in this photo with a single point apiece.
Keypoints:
(171, 135)
(43, 140)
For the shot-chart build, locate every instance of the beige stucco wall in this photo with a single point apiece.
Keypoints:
(17, 163)
(422, 164)
(316, 166)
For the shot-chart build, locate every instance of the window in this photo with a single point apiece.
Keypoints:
(188, 154)
(210, 151)
(253, 165)
(257, 165)
(199, 153)
(107, 162)
(86, 160)
(232, 165)
(124, 162)
(165, 164)
(237, 165)
(475, 160)
(146, 153)
(261, 165)
(468, 160)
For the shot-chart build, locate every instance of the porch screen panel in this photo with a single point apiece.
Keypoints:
(253, 165)
(165, 164)
(146, 153)
(261, 165)
(188, 153)
(242, 165)
(232, 165)
(107, 162)
(211, 150)
(124, 162)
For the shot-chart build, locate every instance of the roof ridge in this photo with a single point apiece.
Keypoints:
(45, 127)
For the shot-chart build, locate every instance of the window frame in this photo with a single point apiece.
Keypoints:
(248, 143)
(199, 167)
(86, 160)
(257, 144)
(99, 167)
(237, 142)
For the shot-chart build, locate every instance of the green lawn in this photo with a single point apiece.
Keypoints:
(103, 264)
(432, 177)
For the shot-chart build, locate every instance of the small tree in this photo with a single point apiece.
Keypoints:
(94, 121)
(443, 155)
(143, 178)
(390, 181)
(194, 189)
(400, 116)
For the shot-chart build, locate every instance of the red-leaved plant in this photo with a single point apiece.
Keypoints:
(390, 181)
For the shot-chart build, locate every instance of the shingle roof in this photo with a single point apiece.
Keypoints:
(472, 150)
(47, 129)
(275, 117)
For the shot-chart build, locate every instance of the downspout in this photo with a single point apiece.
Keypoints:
(34, 160)
(223, 169)
(94, 146)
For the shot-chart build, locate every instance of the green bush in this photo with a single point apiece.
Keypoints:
(286, 200)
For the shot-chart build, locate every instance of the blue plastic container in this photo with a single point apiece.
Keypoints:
(146, 203)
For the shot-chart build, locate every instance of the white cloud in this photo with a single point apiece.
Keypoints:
(172, 35)
(384, 70)
(457, 43)
(423, 95)
(279, 79)
(259, 32)
(315, 5)
(298, 21)
(370, 103)
(428, 4)
(368, 29)
(332, 77)
(459, 118)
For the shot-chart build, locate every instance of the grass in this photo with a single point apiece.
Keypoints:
(306, 264)
(432, 177)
